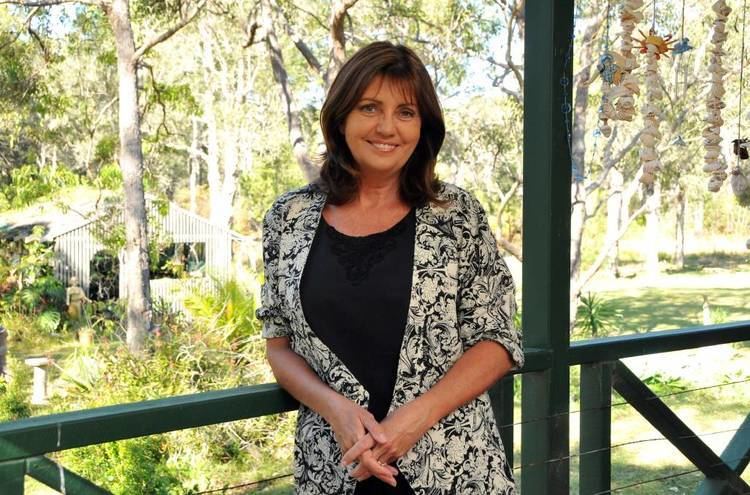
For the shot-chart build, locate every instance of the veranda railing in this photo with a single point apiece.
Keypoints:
(25, 443)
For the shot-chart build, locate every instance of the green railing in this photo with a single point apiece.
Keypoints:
(24, 443)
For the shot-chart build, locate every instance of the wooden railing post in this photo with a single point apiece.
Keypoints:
(595, 467)
(501, 395)
(12, 476)
(547, 171)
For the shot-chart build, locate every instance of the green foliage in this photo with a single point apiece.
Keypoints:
(275, 173)
(597, 316)
(27, 284)
(15, 390)
(662, 384)
(30, 182)
(127, 467)
(228, 314)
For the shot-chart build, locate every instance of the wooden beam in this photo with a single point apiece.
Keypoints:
(58, 478)
(545, 395)
(501, 398)
(12, 476)
(736, 455)
(633, 390)
(595, 469)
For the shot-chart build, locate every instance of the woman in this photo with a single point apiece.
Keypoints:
(386, 306)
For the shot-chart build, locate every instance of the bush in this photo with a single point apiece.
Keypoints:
(15, 389)
(596, 316)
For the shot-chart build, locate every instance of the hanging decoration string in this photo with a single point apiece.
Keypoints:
(742, 70)
(682, 27)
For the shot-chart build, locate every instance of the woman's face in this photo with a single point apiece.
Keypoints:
(383, 129)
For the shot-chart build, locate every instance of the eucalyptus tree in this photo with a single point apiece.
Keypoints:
(129, 55)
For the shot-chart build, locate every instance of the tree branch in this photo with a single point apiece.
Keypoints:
(509, 247)
(27, 23)
(155, 40)
(594, 185)
(302, 47)
(605, 251)
(317, 19)
(338, 41)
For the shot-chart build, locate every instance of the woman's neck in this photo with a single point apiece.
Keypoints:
(374, 194)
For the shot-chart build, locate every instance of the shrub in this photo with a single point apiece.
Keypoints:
(15, 389)
(596, 316)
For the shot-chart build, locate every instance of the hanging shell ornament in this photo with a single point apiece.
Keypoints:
(714, 163)
(623, 100)
(611, 73)
(654, 47)
(663, 44)
(682, 46)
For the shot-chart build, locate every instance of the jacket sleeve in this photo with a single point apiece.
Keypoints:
(271, 311)
(486, 293)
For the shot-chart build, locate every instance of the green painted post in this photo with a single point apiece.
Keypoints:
(11, 477)
(501, 396)
(596, 423)
(736, 455)
(60, 479)
(548, 74)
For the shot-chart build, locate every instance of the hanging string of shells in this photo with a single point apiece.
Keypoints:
(628, 85)
(619, 84)
(653, 46)
(714, 162)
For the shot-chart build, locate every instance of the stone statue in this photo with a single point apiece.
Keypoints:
(75, 298)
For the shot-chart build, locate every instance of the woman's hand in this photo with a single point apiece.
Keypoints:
(350, 423)
(402, 429)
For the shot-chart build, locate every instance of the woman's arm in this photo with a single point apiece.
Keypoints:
(349, 421)
(474, 372)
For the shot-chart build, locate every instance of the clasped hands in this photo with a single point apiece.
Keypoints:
(372, 445)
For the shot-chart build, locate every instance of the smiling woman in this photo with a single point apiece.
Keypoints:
(387, 309)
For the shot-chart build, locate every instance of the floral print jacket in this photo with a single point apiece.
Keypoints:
(462, 293)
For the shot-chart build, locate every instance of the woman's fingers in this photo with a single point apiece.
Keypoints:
(375, 429)
(369, 465)
(356, 450)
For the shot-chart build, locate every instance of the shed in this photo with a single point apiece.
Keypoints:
(203, 249)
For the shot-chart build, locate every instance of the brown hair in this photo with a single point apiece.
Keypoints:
(339, 175)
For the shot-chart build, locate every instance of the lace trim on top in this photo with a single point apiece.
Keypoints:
(358, 255)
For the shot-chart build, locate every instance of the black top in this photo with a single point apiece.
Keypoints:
(355, 295)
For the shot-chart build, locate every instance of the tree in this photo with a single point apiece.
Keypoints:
(118, 13)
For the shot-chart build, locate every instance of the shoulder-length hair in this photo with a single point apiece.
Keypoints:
(399, 64)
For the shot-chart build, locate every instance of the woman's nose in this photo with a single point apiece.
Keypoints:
(385, 124)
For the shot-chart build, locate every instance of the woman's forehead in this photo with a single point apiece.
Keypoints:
(402, 88)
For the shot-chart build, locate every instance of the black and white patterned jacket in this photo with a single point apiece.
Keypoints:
(462, 293)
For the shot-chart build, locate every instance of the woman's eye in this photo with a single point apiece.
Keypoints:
(367, 108)
(407, 113)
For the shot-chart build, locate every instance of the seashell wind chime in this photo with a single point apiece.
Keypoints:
(619, 84)
(714, 163)
(653, 46)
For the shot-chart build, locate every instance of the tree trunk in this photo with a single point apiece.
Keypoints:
(131, 164)
(294, 123)
(651, 242)
(578, 215)
(679, 230)
(614, 219)
(195, 165)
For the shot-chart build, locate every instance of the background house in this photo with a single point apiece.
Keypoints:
(192, 250)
